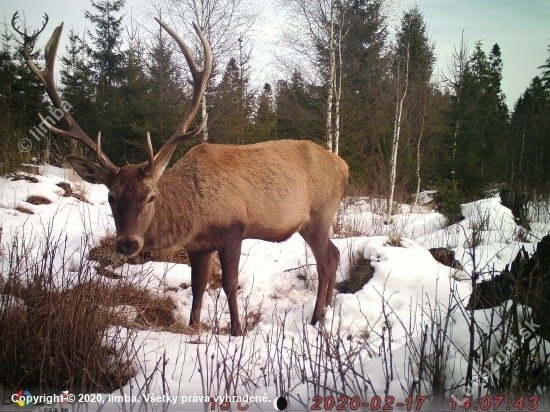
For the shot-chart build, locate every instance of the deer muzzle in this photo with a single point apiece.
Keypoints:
(129, 245)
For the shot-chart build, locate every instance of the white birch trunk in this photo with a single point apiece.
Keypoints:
(338, 94)
(418, 153)
(395, 143)
(332, 75)
(204, 115)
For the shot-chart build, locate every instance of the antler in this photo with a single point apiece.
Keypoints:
(199, 83)
(28, 39)
(46, 77)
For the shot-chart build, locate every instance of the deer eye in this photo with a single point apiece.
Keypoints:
(110, 199)
(151, 199)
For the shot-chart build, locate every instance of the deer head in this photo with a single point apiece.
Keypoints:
(131, 188)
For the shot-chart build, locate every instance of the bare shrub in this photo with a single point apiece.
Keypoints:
(52, 336)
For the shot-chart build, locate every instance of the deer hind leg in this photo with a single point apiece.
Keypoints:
(229, 260)
(201, 268)
(327, 257)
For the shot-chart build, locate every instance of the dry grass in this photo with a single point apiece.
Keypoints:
(69, 192)
(147, 310)
(250, 321)
(108, 257)
(393, 240)
(38, 200)
(72, 329)
(30, 179)
(360, 272)
(216, 275)
(24, 209)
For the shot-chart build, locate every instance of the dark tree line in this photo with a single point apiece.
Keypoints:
(456, 136)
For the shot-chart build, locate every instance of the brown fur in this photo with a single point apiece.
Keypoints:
(218, 195)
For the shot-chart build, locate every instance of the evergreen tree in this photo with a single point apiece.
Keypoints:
(483, 115)
(530, 140)
(265, 120)
(108, 63)
(367, 97)
(167, 100)
(232, 109)
(21, 99)
(299, 110)
(10, 155)
(107, 41)
(546, 71)
(77, 86)
(134, 112)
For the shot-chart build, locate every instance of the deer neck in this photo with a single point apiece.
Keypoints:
(172, 224)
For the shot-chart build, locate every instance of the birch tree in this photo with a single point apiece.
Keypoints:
(402, 85)
(413, 67)
(316, 35)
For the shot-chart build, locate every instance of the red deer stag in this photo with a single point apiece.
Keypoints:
(216, 195)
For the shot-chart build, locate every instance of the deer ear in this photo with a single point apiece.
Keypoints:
(89, 171)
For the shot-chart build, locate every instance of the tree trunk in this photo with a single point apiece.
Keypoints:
(331, 79)
(418, 153)
(338, 93)
(396, 132)
(204, 115)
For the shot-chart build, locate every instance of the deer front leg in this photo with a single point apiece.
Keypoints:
(229, 260)
(201, 267)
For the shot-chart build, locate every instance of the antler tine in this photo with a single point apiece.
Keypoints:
(37, 32)
(103, 161)
(151, 157)
(46, 76)
(13, 20)
(200, 78)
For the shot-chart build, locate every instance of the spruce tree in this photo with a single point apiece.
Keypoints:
(545, 77)
(77, 85)
(478, 105)
(299, 110)
(166, 100)
(108, 63)
(264, 120)
(231, 114)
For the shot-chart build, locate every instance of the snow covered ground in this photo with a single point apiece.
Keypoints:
(380, 326)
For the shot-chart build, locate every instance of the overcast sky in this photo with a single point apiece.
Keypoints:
(520, 27)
